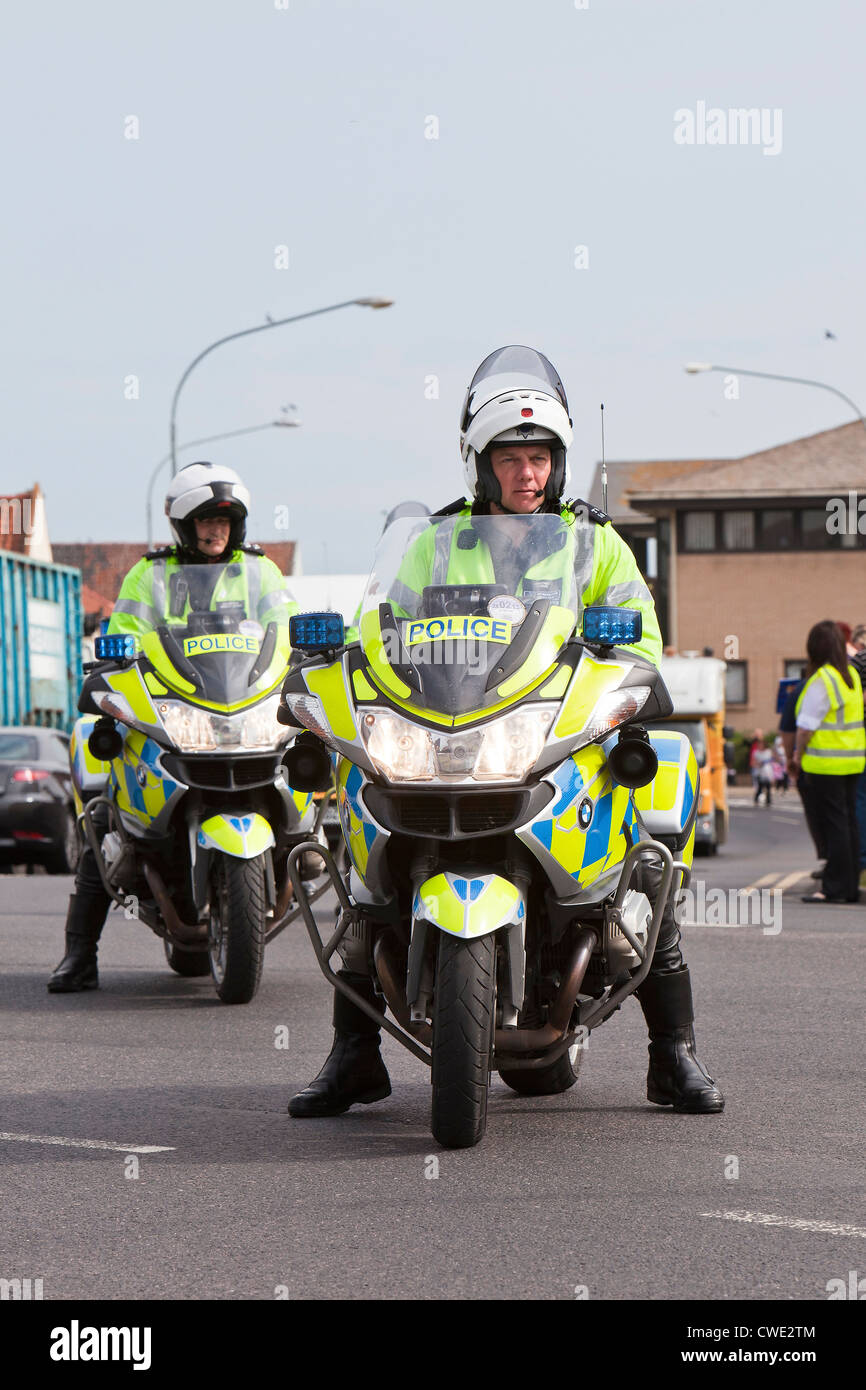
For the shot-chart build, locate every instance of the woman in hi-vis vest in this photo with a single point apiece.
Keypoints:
(831, 750)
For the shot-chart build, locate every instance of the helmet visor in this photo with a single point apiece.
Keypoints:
(513, 368)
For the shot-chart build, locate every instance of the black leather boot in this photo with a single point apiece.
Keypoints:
(675, 1076)
(354, 1073)
(84, 922)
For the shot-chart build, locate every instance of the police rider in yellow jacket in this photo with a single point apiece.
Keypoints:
(515, 433)
(207, 507)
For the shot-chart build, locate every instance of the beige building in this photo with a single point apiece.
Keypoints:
(744, 555)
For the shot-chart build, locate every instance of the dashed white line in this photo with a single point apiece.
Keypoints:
(793, 1223)
(88, 1143)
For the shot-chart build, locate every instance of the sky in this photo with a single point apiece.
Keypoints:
(504, 171)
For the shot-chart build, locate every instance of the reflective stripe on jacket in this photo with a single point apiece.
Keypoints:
(838, 745)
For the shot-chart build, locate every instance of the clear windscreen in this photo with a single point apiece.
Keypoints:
(213, 638)
(462, 612)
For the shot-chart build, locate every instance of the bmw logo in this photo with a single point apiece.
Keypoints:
(584, 813)
(141, 775)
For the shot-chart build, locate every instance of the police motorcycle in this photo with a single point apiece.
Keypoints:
(497, 794)
(180, 754)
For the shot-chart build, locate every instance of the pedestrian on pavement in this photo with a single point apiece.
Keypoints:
(780, 763)
(764, 774)
(858, 661)
(830, 748)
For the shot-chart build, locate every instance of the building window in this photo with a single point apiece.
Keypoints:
(738, 530)
(814, 530)
(777, 529)
(795, 668)
(699, 531)
(737, 683)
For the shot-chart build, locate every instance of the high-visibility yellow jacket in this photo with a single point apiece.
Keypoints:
(598, 568)
(838, 745)
(151, 595)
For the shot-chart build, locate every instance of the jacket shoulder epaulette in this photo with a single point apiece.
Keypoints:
(594, 514)
(162, 552)
(250, 548)
(453, 508)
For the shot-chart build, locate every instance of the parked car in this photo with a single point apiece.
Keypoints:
(37, 814)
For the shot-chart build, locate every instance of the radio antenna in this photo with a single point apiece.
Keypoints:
(603, 465)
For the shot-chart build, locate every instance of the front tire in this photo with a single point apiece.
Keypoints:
(464, 1002)
(238, 920)
(64, 859)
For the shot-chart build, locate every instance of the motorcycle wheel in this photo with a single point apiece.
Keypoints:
(190, 964)
(464, 1001)
(236, 938)
(546, 1081)
(64, 859)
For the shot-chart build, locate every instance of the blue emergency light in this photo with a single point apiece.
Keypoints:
(612, 627)
(121, 646)
(316, 632)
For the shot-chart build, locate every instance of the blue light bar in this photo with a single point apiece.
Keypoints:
(316, 632)
(121, 646)
(614, 627)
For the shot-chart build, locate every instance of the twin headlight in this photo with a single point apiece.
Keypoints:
(502, 751)
(195, 730)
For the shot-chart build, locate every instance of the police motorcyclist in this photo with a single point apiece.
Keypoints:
(515, 432)
(207, 507)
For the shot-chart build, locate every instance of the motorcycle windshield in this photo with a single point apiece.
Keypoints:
(209, 642)
(463, 612)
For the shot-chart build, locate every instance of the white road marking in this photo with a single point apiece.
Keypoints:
(761, 882)
(88, 1144)
(791, 879)
(793, 1223)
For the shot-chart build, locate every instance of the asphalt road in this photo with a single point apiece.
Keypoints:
(595, 1193)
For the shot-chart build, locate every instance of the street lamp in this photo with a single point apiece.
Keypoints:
(370, 302)
(287, 423)
(693, 367)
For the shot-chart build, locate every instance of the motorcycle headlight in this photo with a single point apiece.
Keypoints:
(501, 751)
(611, 710)
(195, 730)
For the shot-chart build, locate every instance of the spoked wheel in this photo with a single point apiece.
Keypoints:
(191, 964)
(464, 1002)
(238, 920)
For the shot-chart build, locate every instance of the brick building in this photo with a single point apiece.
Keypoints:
(744, 555)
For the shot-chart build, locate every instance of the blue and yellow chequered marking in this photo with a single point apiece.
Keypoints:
(301, 800)
(584, 853)
(89, 774)
(664, 806)
(359, 831)
(142, 788)
(243, 837)
(469, 907)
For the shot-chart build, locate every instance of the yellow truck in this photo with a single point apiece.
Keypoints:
(697, 688)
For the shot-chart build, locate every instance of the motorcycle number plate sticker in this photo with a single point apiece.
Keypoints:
(225, 642)
(441, 629)
(507, 607)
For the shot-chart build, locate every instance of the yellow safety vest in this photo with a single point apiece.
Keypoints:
(838, 745)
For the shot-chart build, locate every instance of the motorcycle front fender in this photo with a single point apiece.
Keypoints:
(469, 905)
(243, 837)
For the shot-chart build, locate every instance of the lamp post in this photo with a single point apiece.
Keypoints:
(370, 302)
(207, 439)
(693, 367)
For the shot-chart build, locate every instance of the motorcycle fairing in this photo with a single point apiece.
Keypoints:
(467, 905)
(243, 837)
(579, 836)
(669, 804)
(89, 774)
(144, 792)
(363, 835)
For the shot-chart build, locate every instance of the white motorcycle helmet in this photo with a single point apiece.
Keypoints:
(515, 394)
(201, 490)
